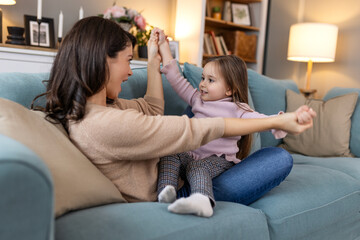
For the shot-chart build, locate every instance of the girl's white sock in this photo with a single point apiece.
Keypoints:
(197, 204)
(167, 195)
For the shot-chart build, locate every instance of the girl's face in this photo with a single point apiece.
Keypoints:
(119, 69)
(213, 86)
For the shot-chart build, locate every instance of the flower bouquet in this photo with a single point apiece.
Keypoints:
(130, 20)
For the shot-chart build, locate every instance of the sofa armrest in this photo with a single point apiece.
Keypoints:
(26, 202)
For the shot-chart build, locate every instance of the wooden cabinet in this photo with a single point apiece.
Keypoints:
(238, 37)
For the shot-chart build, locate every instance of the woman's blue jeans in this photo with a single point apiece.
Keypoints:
(252, 178)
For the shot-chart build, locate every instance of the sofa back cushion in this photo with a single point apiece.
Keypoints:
(23, 87)
(135, 87)
(77, 182)
(269, 97)
(355, 119)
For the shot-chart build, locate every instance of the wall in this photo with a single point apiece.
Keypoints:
(344, 72)
(160, 13)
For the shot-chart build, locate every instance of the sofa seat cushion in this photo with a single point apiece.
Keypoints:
(314, 202)
(153, 221)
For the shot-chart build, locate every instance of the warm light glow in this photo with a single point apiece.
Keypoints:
(312, 41)
(7, 2)
(189, 27)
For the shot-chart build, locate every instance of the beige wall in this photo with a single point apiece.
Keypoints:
(345, 71)
(159, 13)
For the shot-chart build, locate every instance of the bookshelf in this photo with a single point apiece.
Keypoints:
(249, 39)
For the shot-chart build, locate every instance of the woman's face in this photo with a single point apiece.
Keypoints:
(119, 69)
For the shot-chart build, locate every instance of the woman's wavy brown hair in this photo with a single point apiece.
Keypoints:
(80, 67)
(234, 71)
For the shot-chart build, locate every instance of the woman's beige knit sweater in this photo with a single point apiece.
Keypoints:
(125, 140)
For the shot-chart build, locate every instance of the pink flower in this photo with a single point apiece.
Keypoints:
(117, 11)
(140, 22)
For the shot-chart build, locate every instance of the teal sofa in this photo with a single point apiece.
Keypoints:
(320, 199)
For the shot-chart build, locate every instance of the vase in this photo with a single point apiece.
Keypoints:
(142, 51)
(126, 26)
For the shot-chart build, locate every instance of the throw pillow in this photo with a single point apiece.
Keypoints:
(77, 182)
(330, 134)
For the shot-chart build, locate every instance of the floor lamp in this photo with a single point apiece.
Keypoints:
(312, 42)
(4, 2)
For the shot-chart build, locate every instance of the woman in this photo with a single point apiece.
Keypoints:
(125, 138)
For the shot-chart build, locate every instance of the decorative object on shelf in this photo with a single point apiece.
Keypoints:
(4, 2)
(227, 11)
(45, 35)
(142, 51)
(16, 36)
(81, 13)
(60, 28)
(241, 44)
(174, 47)
(312, 42)
(241, 14)
(216, 12)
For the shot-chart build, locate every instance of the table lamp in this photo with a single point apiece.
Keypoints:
(312, 42)
(4, 2)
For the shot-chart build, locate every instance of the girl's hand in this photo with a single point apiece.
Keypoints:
(162, 37)
(305, 114)
(153, 46)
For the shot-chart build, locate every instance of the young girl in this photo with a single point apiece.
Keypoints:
(222, 93)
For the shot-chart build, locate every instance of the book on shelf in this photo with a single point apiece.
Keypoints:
(215, 45)
(209, 41)
(218, 43)
(213, 37)
(223, 45)
(207, 44)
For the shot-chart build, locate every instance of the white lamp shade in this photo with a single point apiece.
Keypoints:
(7, 2)
(312, 41)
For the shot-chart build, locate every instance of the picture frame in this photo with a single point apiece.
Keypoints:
(47, 36)
(174, 48)
(241, 14)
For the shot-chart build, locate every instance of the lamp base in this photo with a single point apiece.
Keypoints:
(308, 93)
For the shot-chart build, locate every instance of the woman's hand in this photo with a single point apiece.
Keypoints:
(153, 46)
(291, 123)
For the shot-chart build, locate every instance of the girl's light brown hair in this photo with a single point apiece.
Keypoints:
(234, 71)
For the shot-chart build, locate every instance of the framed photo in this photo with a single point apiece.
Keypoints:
(42, 38)
(241, 14)
(174, 47)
